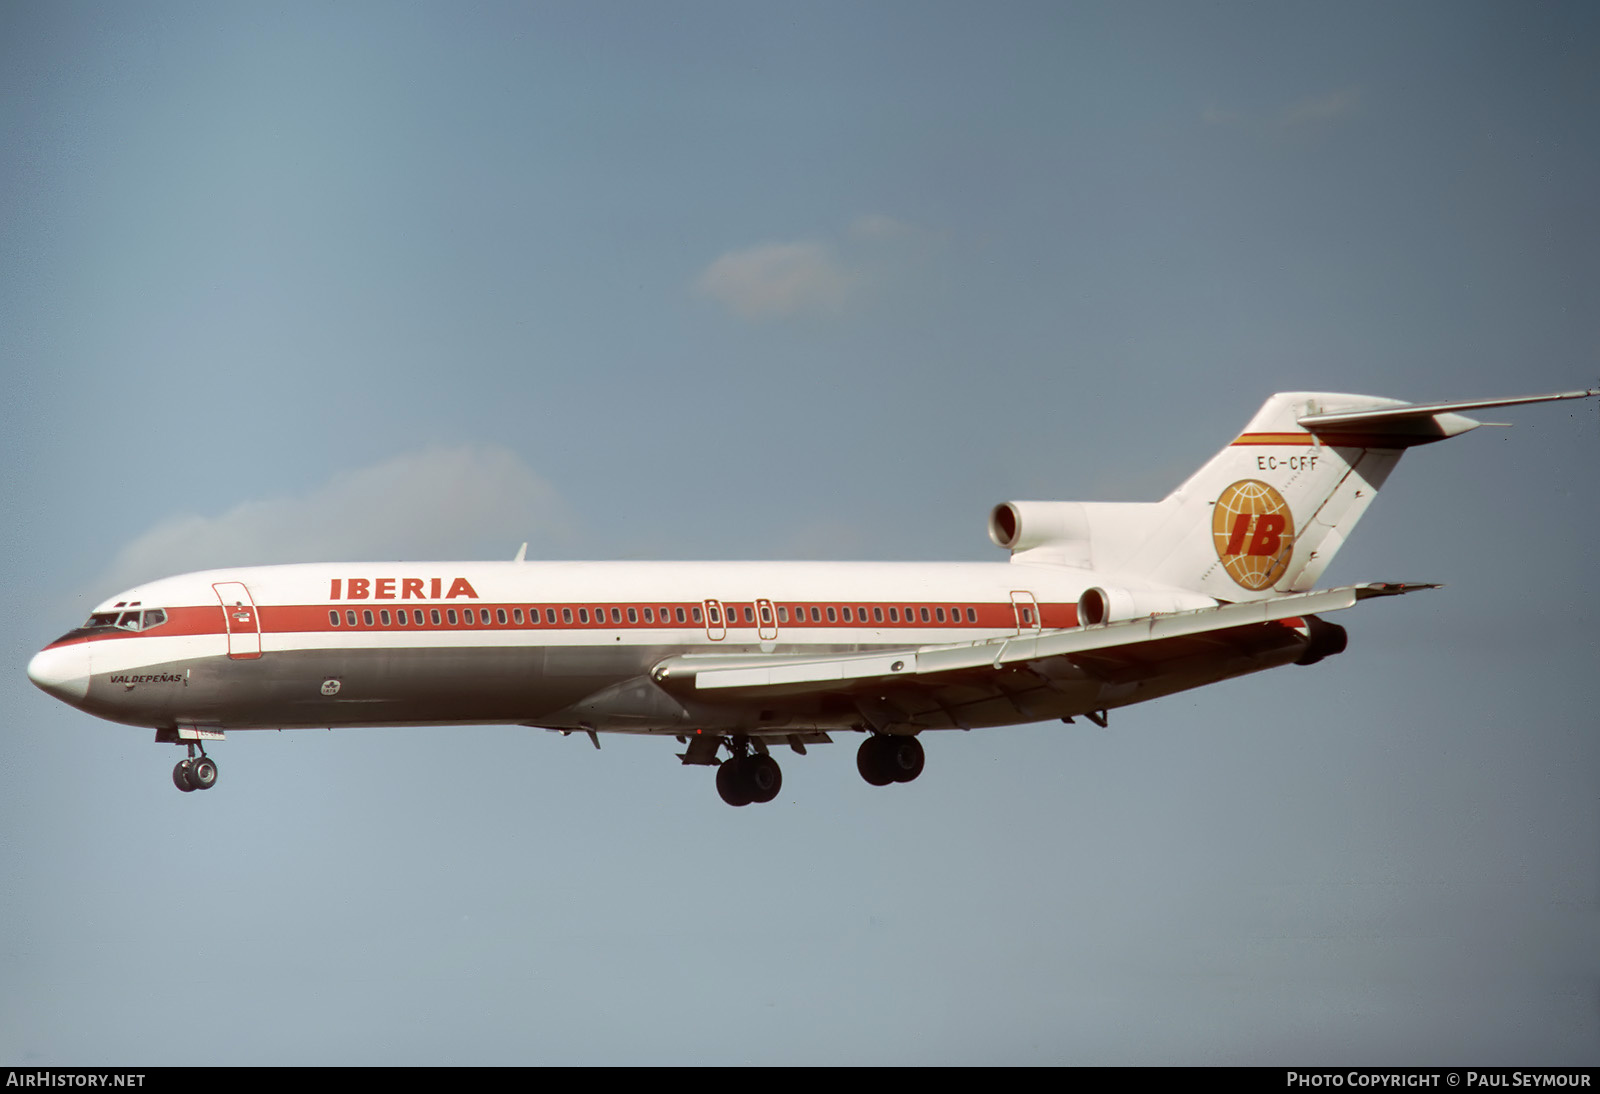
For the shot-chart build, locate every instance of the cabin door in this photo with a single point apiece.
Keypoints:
(1027, 611)
(243, 621)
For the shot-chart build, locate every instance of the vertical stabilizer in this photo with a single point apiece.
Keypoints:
(1267, 514)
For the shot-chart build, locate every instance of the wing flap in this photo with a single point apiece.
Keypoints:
(711, 673)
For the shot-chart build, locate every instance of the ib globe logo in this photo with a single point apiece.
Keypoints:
(1254, 533)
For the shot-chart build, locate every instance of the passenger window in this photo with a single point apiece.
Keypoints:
(832, 617)
(616, 615)
(402, 618)
(516, 616)
(816, 614)
(433, 616)
(846, 611)
(499, 616)
(366, 617)
(938, 614)
(583, 615)
(383, 617)
(633, 615)
(416, 616)
(924, 615)
(695, 611)
(766, 614)
(350, 617)
(679, 615)
(333, 618)
(749, 616)
(894, 615)
(566, 616)
(716, 617)
(877, 615)
(649, 615)
(783, 614)
(972, 616)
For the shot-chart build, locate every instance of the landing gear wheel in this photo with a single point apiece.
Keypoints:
(884, 759)
(180, 777)
(870, 761)
(762, 777)
(903, 758)
(203, 773)
(731, 783)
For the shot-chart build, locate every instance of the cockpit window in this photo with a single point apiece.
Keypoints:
(127, 620)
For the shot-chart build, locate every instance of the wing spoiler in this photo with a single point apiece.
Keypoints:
(717, 671)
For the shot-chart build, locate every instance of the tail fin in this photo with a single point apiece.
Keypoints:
(1264, 516)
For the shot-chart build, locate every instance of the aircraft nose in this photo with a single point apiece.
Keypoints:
(62, 671)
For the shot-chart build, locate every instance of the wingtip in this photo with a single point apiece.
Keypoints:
(1394, 588)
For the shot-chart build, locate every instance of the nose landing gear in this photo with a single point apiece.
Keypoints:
(195, 774)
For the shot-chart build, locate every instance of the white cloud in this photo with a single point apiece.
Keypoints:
(1335, 104)
(779, 279)
(436, 503)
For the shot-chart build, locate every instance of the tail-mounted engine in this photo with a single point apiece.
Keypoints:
(1327, 639)
(1111, 604)
(1061, 526)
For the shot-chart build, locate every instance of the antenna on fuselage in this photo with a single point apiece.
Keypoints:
(522, 554)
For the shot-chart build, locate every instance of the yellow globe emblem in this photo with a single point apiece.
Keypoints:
(1254, 533)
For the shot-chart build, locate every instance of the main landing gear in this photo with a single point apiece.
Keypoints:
(195, 774)
(747, 777)
(884, 759)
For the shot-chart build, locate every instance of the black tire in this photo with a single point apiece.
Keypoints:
(870, 761)
(731, 782)
(180, 777)
(203, 773)
(763, 778)
(903, 758)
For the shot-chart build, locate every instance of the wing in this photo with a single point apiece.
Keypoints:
(1035, 676)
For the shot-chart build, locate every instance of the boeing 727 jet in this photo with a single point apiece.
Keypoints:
(1099, 606)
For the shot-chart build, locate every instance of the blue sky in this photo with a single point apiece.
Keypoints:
(342, 281)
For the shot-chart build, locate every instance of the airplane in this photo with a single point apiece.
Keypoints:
(1100, 605)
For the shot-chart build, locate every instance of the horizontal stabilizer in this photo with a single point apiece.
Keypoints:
(1408, 424)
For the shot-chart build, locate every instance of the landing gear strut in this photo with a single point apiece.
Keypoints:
(884, 759)
(747, 777)
(195, 774)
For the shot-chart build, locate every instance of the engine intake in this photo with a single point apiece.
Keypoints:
(1024, 525)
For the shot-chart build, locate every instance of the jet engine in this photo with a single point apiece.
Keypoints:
(1327, 639)
(1060, 525)
(1112, 604)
